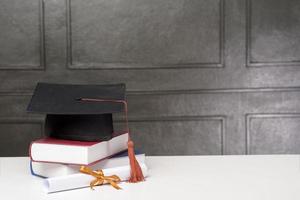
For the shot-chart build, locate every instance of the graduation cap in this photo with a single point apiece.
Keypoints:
(83, 112)
(70, 118)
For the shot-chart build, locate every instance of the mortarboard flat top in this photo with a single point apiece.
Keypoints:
(64, 99)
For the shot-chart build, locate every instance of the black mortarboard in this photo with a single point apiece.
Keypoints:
(67, 117)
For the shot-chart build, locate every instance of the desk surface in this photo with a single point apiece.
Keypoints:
(178, 177)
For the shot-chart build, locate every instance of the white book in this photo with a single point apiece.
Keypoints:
(56, 169)
(76, 152)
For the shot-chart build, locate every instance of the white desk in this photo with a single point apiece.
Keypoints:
(190, 177)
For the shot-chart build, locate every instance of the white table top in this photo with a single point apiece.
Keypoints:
(178, 177)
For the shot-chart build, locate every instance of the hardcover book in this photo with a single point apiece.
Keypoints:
(76, 152)
(48, 170)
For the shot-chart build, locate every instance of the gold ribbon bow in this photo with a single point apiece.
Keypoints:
(100, 178)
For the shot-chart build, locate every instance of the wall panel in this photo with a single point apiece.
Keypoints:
(199, 74)
(22, 35)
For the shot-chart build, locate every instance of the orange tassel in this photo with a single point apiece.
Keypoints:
(136, 174)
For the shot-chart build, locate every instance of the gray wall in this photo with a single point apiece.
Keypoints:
(203, 76)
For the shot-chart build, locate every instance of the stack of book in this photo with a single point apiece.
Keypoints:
(59, 161)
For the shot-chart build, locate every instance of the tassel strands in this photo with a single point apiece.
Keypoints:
(136, 174)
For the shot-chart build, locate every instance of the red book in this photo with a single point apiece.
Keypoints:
(76, 152)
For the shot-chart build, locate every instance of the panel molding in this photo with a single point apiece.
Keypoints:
(16, 120)
(42, 64)
(28, 137)
(143, 66)
(210, 91)
(220, 118)
(134, 119)
(250, 116)
(21, 120)
(178, 92)
(249, 62)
